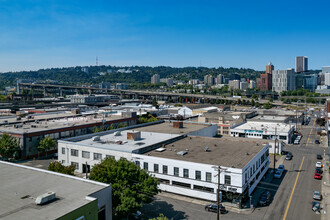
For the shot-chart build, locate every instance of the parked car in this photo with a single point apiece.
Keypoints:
(318, 170)
(319, 157)
(264, 198)
(285, 152)
(317, 176)
(318, 164)
(213, 208)
(316, 206)
(317, 195)
(281, 167)
(317, 142)
(278, 174)
(288, 157)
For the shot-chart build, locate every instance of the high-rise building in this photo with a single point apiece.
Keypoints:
(243, 85)
(283, 80)
(258, 83)
(220, 79)
(269, 68)
(266, 78)
(310, 82)
(252, 84)
(155, 79)
(234, 84)
(234, 76)
(301, 64)
(209, 80)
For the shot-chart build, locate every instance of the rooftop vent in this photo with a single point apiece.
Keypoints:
(117, 133)
(207, 149)
(181, 153)
(178, 124)
(161, 149)
(96, 138)
(44, 198)
(133, 135)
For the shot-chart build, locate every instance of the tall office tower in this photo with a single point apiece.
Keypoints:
(155, 79)
(209, 80)
(269, 68)
(301, 64)
(283, 80)
(220, 79)
(266, 78)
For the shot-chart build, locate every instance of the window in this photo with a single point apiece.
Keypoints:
(63, 150)
(164, 169)
(137, 163)
(164, 181)
(156, 168)
(74, 152)
(76, 165)
(186, 185)
(145, 166)
(227, 179)
(203, 188)
(176, 171)
(185, 173)
(245, 177)
(112, 157)
(30, 139)
(97, 156)
(85, 154)
(198, 175)
(208, 177)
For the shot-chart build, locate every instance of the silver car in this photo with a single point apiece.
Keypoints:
(317, 195)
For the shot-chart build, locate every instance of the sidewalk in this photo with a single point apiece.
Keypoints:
(325, 186)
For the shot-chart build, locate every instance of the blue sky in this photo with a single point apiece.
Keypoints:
(55, 33)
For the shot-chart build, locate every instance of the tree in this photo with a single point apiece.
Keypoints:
(60, 168)
(131, 186)
(255, 96)
(46, 144)
(155, 103)
(253, 103)
(160, 217)
(9, 146)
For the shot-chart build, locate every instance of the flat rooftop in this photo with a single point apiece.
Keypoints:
(38, 126)
(21, 185)
(121, 143)
(167, 128)
(225, 151)
(274, 118)
(262, 125)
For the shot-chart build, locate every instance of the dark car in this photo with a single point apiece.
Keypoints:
(316, 207)
(319, 157)
(318, 170)
(288, 157)
(264, 198)
(285, 152)
(317, 142)
(213, 208)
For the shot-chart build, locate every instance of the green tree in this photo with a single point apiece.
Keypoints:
(160, 217)
(46, 144)
(255, 96)
(122, 125)
(60, 168)
(9, 146)
(131, 185)
(253, 103)
(154, 103)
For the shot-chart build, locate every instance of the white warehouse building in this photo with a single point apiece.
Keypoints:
(264, 130)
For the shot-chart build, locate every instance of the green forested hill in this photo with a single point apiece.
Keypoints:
(140, 74)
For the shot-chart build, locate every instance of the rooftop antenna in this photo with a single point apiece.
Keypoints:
(97, 61)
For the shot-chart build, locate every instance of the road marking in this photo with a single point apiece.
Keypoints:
(294, 187)
(310, 133)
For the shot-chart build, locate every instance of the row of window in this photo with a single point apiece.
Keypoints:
(176, 172)
(84, 154)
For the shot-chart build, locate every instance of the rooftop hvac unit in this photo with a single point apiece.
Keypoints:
(117, 133)
(44, 198)
(96, 138)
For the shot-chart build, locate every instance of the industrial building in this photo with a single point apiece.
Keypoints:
(32, 193)
(181, 155)
(264, 130)
(94, 99)
(30, 131)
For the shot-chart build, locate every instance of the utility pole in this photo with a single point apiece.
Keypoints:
(219, 169)
(218, 194)
(275, 149)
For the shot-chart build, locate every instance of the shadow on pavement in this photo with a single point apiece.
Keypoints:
(268, 183)
(153, 210)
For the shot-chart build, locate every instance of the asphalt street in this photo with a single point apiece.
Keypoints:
(292, 195)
